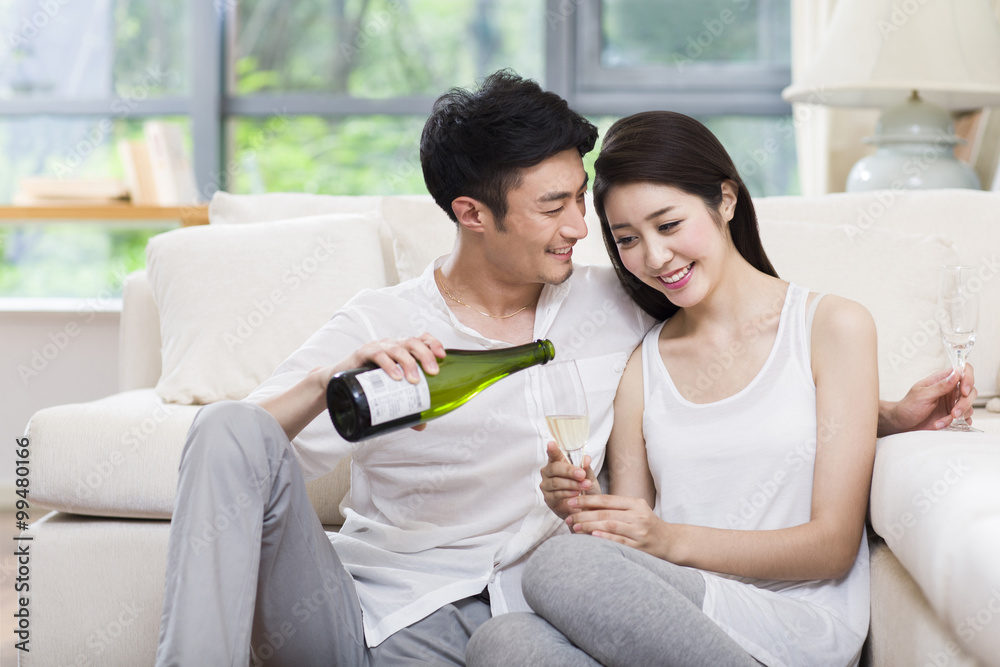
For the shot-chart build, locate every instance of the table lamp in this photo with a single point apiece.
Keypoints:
(916, 59)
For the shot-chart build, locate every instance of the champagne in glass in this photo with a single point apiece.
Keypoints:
(565, 405)
(570, 432)
(959, 320)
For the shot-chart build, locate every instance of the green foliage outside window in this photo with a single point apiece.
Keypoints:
(351, 155)
(70, 259)
(371, 49)
(383, 48)
(671, 32)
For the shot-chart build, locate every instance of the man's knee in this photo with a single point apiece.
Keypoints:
(226, 428)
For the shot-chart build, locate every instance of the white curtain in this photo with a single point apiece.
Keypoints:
(828, 139)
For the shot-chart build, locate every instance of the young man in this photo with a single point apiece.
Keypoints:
(438, 522)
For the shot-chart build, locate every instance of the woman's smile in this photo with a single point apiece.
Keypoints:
(677, 279)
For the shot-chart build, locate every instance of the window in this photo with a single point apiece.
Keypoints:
(346, 86)
(381, 49)
(724, 62)
(329, 96)
(74, 79)
(707, 57)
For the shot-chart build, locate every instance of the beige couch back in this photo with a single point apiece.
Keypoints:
(872, 247)
(969, 219)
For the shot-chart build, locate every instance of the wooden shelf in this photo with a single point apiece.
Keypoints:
(189, 216)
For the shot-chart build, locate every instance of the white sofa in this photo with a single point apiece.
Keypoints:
(204, 325)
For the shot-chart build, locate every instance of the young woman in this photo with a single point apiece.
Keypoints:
(742, 451)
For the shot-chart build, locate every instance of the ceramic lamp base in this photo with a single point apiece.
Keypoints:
(916, 144)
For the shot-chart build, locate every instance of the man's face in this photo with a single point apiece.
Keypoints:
(544, 220)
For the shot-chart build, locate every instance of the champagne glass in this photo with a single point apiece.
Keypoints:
(959, 318)
(565, 405)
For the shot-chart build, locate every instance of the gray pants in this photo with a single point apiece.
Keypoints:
(252, 577)
(601, 603)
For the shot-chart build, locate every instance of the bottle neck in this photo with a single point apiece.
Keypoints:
(537, 352)
(519, 356)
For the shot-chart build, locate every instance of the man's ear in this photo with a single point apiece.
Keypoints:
(472, 214)
(730, 194)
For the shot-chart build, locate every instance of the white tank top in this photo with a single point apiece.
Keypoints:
(746, 463)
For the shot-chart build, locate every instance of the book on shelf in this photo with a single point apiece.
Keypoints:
(157, 169)
(45, 189)
(981, 131)
(170, 164)
(987, 160)
(21, 199)
(134, 156)
(968, 126)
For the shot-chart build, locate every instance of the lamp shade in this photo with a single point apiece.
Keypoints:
(876, 52)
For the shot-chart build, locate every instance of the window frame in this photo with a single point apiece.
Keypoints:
(696, 88)
(571, 64)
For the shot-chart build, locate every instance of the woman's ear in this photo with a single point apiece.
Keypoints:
(730, 193)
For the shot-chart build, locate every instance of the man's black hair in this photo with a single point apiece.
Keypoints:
(475, 143)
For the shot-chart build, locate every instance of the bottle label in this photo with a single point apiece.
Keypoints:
(390, 399)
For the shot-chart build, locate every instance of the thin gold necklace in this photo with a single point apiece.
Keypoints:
(495, 317)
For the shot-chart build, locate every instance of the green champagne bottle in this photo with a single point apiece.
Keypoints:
(364, 402)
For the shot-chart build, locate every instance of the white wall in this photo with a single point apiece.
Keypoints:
(51, 352)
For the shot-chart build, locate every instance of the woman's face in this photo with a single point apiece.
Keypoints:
(669, 239)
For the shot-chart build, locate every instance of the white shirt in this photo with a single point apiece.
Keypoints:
(746, 462)
(438, 515)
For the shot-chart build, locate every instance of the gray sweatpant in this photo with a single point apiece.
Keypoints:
(252, 577)
(602, 603)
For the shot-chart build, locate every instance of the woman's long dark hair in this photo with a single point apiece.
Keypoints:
(672, 149)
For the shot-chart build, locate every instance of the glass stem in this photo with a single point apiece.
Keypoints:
(960, 369)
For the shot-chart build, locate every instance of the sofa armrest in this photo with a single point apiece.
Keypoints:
(934, 501)
(139, 360)
(119, 457)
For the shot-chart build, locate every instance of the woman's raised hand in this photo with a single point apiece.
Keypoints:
(930, 404)
(562, 480)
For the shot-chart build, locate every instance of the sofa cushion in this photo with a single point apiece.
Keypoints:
(934, 500)
(119, 457)
(140, 362)
(966, 217)
(229, 209)
(114, 457)
(226, 325)
(421, 232)
(591, 250)
(894, 275)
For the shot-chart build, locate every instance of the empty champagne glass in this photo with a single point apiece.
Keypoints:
(565, 405)
(959, 318)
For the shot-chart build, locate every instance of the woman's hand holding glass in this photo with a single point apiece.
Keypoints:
(574, 494)
(562, 481)
(564, 403)
(930, 403)
(959, 310)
